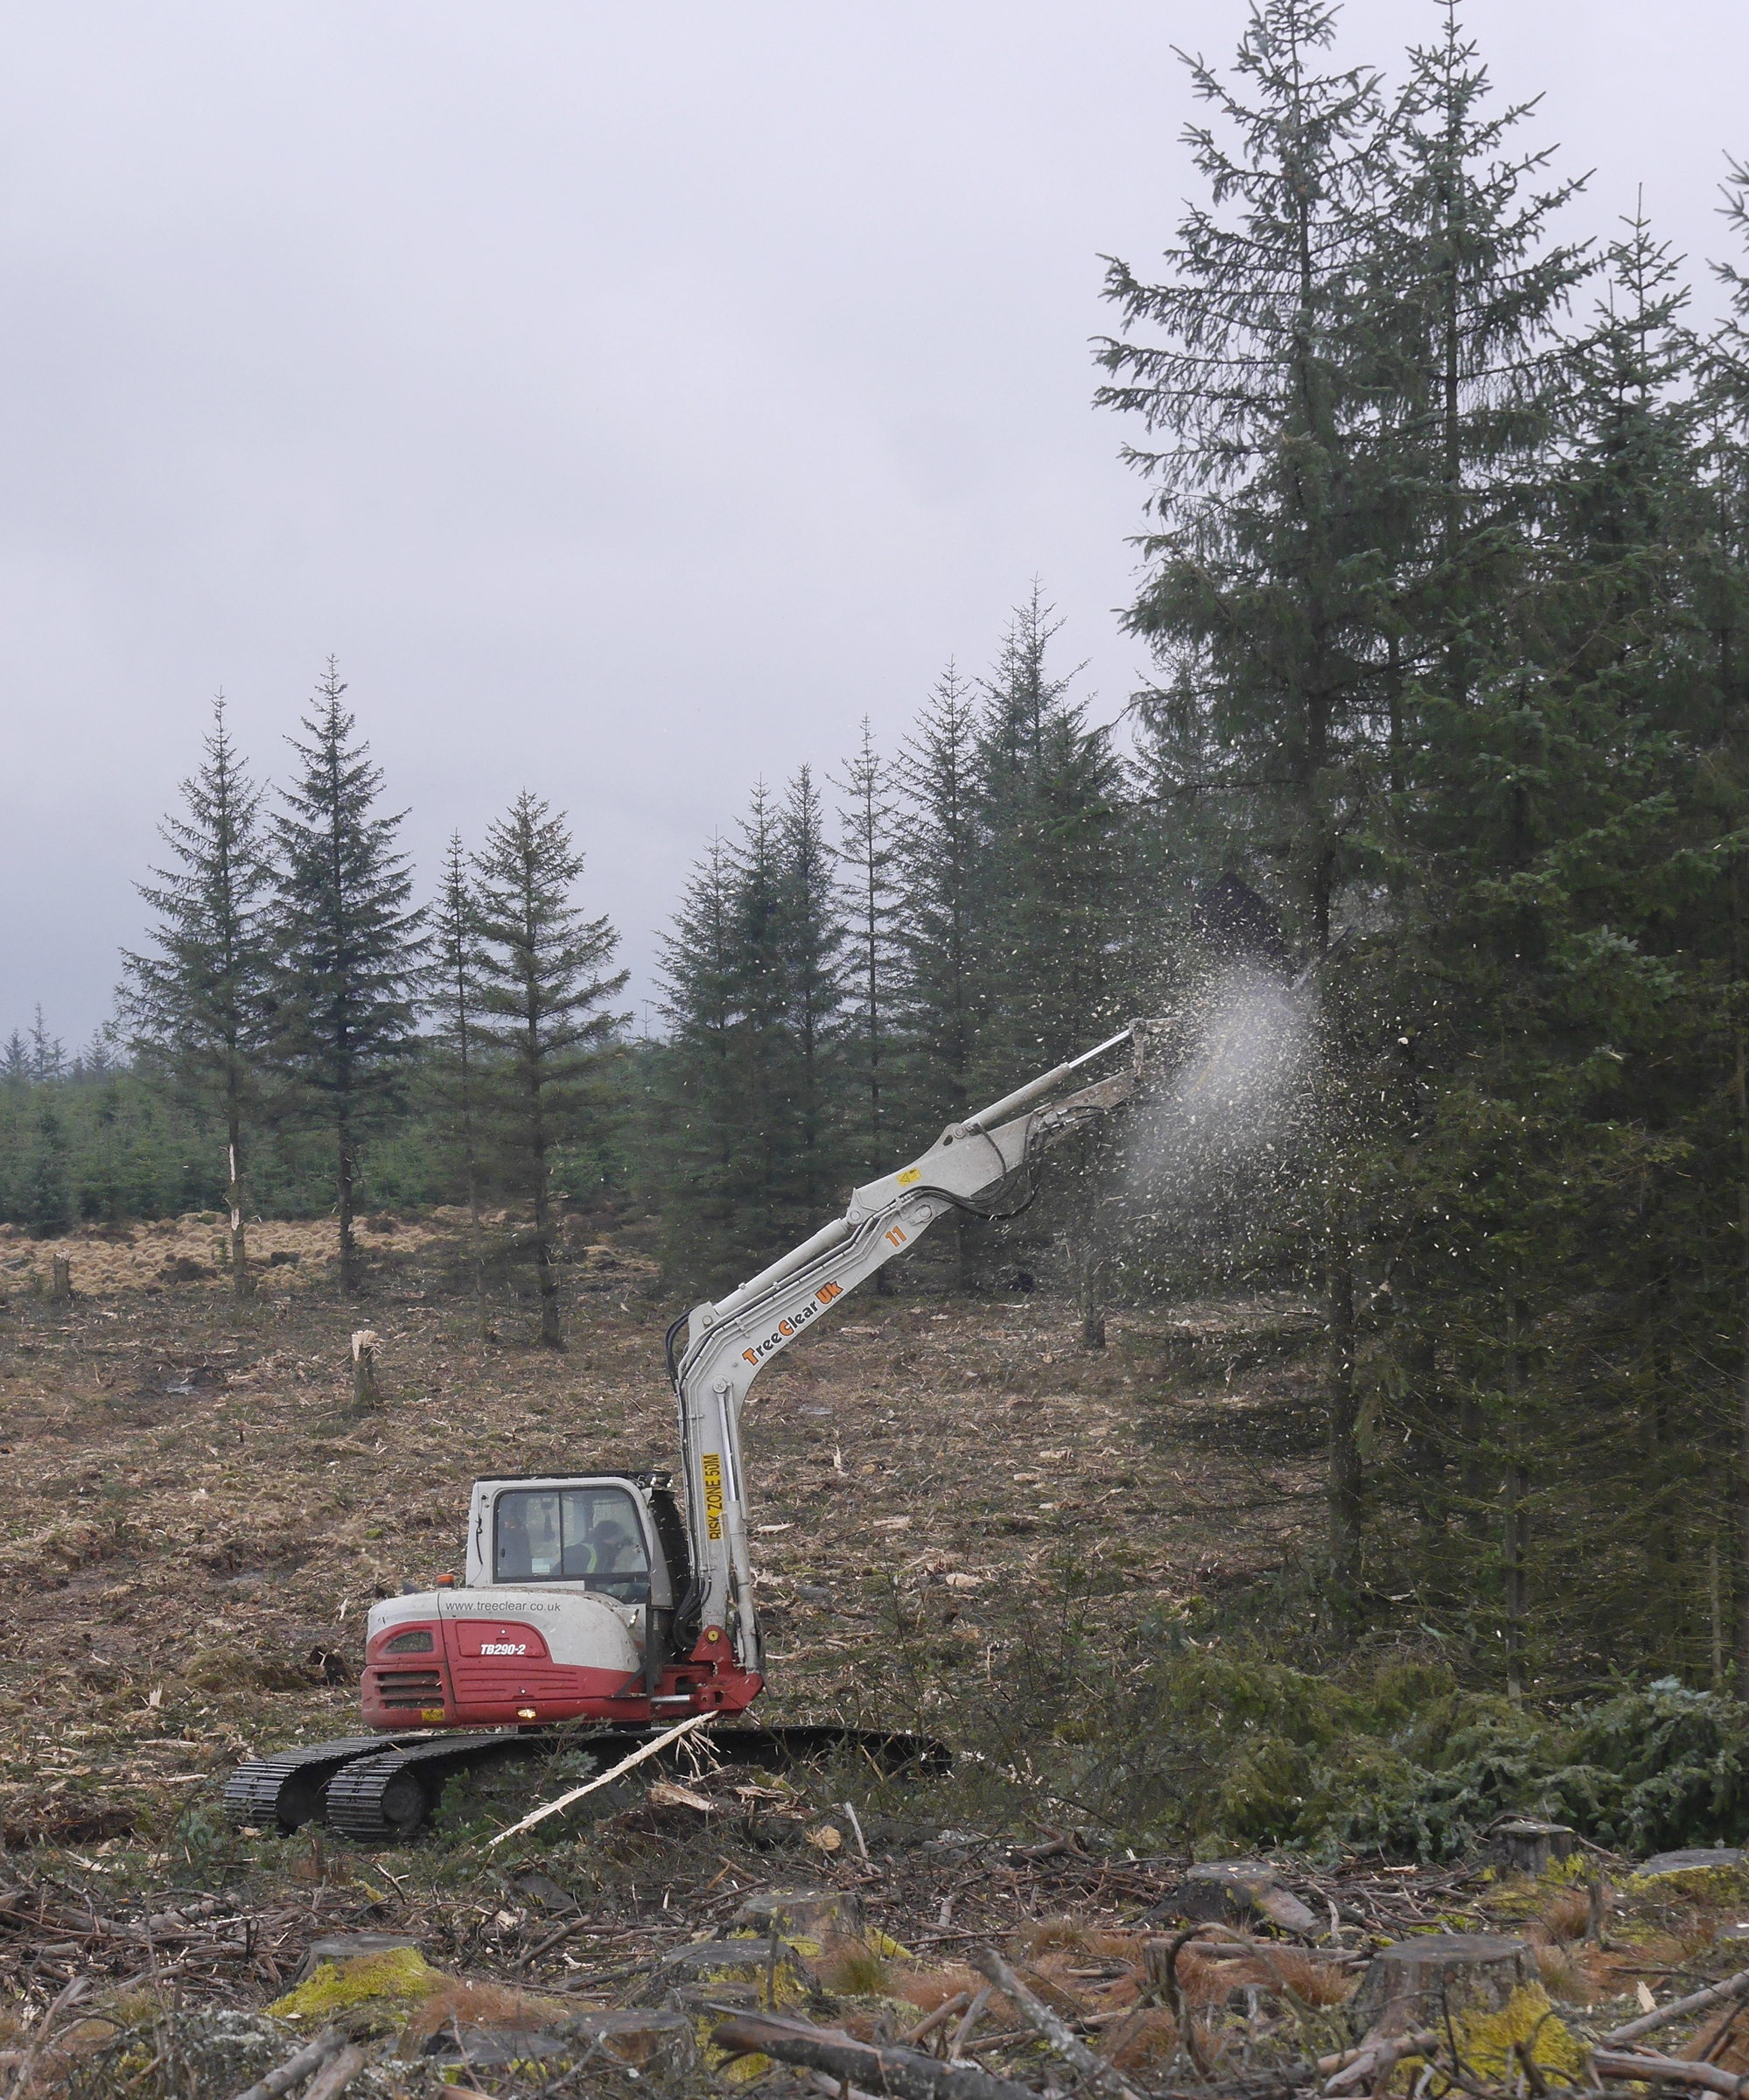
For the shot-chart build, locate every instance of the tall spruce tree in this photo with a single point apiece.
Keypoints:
(1049, 789)
(699, 1117)
(543, 1005)
(457, 1074)
(868, 860)
(1274, 524)
(1268, 530)
(347, 945)
(196, 1000)
(943, 989)
(811, 941)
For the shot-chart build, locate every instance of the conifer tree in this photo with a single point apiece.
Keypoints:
(348, 946)
(700, 1126)
(453, 1000)
(196, 1000)
(1464, 290)
(48, 1053)
(1048, 792)
(811, 942)
(867, 857)
(541, 1005)
(943, 984)
(1267, 525)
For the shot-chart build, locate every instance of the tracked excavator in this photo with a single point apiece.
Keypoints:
(594, 1608)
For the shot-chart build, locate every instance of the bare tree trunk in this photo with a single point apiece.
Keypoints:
(1515, 1521)
(349, 1275)
(242, 1282)
(1342, 1413)
(546, 1274)
(1740, 1482)
(1091, 1297)
(476, 1251)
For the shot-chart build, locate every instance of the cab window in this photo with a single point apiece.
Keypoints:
(586, 1535)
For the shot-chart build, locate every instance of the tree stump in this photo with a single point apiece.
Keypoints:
(1240, 1892)
(365, 1343)
(1415, 1983)
(1532, 1846)
(1699, 1860)
(820, 1915)
(60, 1279)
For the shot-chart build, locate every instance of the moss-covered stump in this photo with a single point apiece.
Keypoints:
(661, 2042)
(1531, 1846)
(777, 1976)
(1713, 1873)
(368, 1993)
(821, 1914)
(1419, 1982)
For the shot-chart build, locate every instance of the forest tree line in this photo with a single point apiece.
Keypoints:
(1446, 588)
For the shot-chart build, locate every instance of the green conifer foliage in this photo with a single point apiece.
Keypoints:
(541, 1006)
(454, 1068)
(869, 866)
(944, 990)
(698, 1121)
(348, 945)
(1047, 798)
(811, 934)
(1269, 527)
(196, 1000)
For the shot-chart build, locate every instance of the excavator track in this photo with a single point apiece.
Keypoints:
(377, 1789)
(288, 1788)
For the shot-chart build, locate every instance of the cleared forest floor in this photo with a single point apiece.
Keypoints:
(197, 1518)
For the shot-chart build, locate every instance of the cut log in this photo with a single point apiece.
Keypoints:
(1416, 1983)
(1679, 2008)
(311, 2057)
(1531, 1846)
(883, 2067)
(1664, 2070)
(1240, 1892)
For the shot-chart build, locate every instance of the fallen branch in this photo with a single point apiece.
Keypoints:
(76, 1990)
(1039, 2016)
(1733, 1986)
(1670, 2070)
(1384, 2055)
(877, 2068)
(342, 2069)
(939, 2018)
(552, 1808)
(309, 2058)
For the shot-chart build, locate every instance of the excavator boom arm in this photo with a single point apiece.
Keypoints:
(729, 1343)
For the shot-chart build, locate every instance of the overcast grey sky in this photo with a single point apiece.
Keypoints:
(631, 398)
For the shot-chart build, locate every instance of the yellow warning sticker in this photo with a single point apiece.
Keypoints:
(430, 1713)
(711, 1466)
(911, 1174)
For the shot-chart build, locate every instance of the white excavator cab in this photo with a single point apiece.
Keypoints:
(618, 1535)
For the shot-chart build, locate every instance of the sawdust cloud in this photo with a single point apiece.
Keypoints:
(1237, 1106)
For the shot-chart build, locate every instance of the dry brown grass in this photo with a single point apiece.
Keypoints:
(1147, 2036)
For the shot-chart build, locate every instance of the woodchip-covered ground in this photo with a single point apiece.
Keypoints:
(197, 1513)
(196, 1517)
